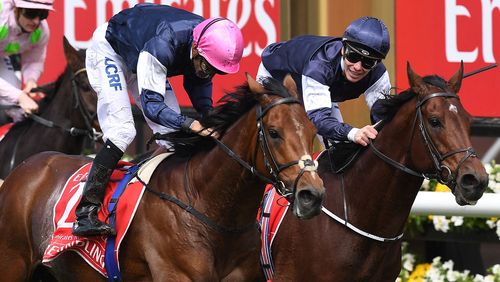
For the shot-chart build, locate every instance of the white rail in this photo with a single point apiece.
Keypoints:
(443, 203)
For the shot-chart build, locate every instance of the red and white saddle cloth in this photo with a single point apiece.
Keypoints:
(4, 129)
(92, 249)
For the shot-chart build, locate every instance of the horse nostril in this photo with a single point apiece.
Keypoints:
(309, 198)
(470, 181)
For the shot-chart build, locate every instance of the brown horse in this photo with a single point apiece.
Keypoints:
(266, 137)
(426, 133)
(67, 117)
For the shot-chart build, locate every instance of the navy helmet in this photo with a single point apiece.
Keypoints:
(369, 36)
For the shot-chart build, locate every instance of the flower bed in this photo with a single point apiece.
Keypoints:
(451, 228)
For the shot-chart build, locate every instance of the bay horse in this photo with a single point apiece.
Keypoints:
(266, 136)
(67, 117)
(425, 134)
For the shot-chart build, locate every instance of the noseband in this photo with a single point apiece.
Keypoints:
(442, 173)
(274, 168)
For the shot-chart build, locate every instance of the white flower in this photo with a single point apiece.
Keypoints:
(492, 183)
(452, 275)
(448, 265)
(496, 187)
(441, 223)
(496, 269)
(497, 177)
(434, 275)
(491, 223)
(457, 220)
(489, 278)
(498, 230)
(425, 184)
(408, 261)
(488, 168)
(478, 278)
(436, 260)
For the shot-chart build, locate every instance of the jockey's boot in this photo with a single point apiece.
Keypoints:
(87, 223)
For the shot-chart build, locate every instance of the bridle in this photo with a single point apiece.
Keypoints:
(89, 131)
(442, 173)
(88, 117)
(437, 160)
(305, 163)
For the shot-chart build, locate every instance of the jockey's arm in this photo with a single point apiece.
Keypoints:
(200, 93)
(379, 90)
(318, 105)
(151, 78)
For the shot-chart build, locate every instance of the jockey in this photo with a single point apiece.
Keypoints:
(23, 31)
(138, 50)
(329, 70)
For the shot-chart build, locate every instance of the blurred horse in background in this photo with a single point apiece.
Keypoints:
(67, 117)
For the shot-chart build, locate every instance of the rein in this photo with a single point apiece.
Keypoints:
(73, 131)
(305, 163)
(437, 160)
(450, 176)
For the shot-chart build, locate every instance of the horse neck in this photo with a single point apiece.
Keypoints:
(231, 190)
(383, 195)
(60, 107)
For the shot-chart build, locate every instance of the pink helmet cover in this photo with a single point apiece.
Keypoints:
(35, 4)
(221, 43)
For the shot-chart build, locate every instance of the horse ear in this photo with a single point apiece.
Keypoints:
(455, 81)
(416, 82)
(291, 86)
(254, 86)
(71, 54)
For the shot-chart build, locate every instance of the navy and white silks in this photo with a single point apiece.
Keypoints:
(138, 50)
(316, 64)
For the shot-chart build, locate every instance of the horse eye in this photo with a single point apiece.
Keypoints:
(434, 122)
(274, 134)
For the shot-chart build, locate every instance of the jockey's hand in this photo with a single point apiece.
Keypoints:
(37, 96)
(27, 104)
(198, 128)
(30, 84)
(364, 135)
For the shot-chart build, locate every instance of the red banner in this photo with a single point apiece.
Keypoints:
(77, 20)
(434, 36)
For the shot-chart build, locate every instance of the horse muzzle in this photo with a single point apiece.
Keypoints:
(308, 201)
(470, 186)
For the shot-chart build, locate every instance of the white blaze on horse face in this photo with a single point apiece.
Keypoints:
(299, 128)
(453, 109)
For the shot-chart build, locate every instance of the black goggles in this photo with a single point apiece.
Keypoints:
(207, 69)
(34, 13)
(353, 56)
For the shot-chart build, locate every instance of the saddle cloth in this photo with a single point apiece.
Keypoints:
(4, 129)
(92, 249)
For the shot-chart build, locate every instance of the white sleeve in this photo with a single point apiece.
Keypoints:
(151, 74)
(315, 94)
(378, 90)
(262, 73)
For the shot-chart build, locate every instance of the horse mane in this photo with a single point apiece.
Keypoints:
(229, 109)
(389, 106)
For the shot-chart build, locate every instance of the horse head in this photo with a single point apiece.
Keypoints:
(286, 137)
(84, 94)
(444, 126)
